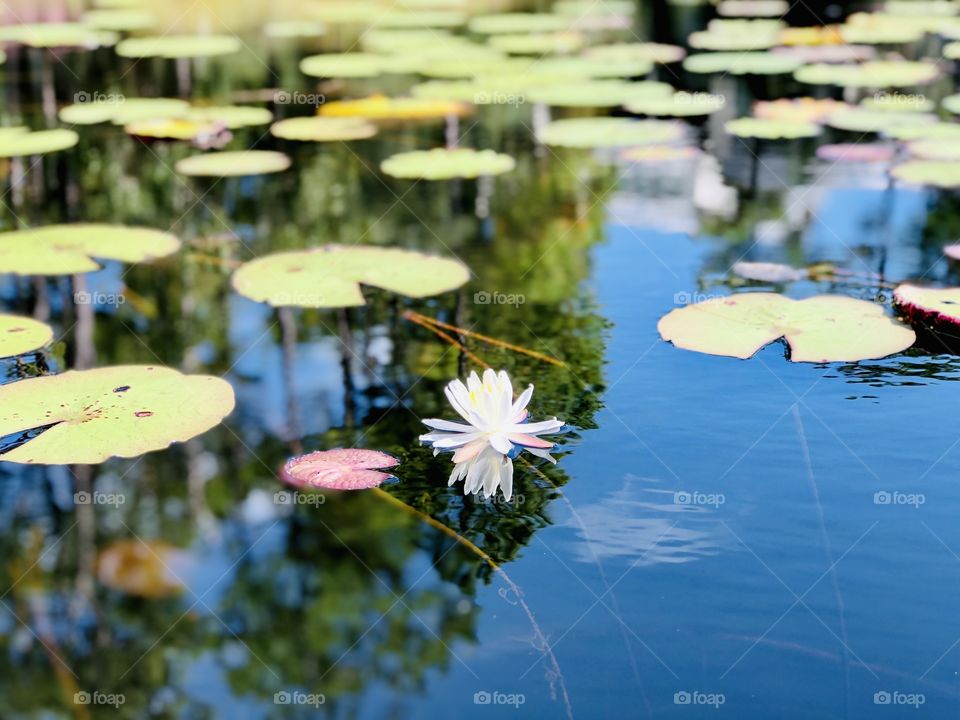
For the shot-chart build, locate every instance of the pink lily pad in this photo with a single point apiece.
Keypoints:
(340, 469)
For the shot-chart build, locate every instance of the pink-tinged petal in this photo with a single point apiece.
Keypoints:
(447, 425)
(500, 443)
(520, 406)
(529, 441)
(469, 451)
(340, 469)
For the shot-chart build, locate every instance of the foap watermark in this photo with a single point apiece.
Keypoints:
(298, 299)
(286, 97)
(697, 697)
(700, 499)
(98, 498)
(284, 497)
(98, 97)
(893, 497)
(896, 697)
(95, 697)
(296, 697)
(685, 297)
(499, 98)
(684, 97)
(498, 298)
(498, 499)
(904, 100)
(483, 697)
(98, 298)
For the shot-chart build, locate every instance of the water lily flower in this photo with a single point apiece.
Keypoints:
(496, 430)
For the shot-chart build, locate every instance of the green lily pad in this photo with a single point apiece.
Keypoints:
(598, 93)
(654, 52)
(609, 132)
(120, 20)
(944, 150)
(19, 335)
(826, 328)
(951, 51)
(587, 67)
(323, 129)
(233, 164)
(443, 164)
(123, 411)
(925, 129)
(951, 104)
(863, 120)
(329, 277)
(346, 65)
(876, 74)
(54, 35)
(230, 116)
(680, 104)
(179, 46)
(932, 8)
(20, 141)
(742, 63)
(933, 173)
(120, 110)
(70, 249)
(899, 102)
(500, 90)
(727, 35)
(514, 23)
(881, 34)
(753, 8)
(537, 43)
(763, 129)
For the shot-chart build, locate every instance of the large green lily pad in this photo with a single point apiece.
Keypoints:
(742, 63)
(20, 141)
(123, 411)
(443, 164)
(179, 46)
(330, 276)
(19, 335)
(233, 164)
(294, 29)
(763, 129)
(609, 132)
(323, 129)
(70, 249)
(825, 328)
(876, 74)
(933, 173)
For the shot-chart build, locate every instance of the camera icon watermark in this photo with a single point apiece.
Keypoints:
(896, 697)
(98, 298)
(295, 97)
(83, 97)
(286, 497)
(99, 498)
(903, 100)
(696, 697)
(498, 298)
(887, 497)
(483, 697)
(95, 697)
(685, 297)
(499, 98)
(699, 499)
(684, 97)
(296, 697)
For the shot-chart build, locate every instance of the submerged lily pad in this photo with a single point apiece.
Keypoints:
(70, 249)
(742, 63)
(933, 173)
(233, 164)
(760, 128)
(680, 104)
(340, 469)
(179, 46)
(443, 164)
(20, 141)
(330, 276)
(876, 74)
(19, 335)
(597, 93)
(609, 132)
(123, 411)
(323, 129)
(146, 569)
(826, 328)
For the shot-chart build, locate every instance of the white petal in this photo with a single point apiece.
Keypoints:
(455, 440)
(447, 425)
(545, 454)
(473, 382)
(521, 404)
(506, 478)
(500, 443)
(537, 428)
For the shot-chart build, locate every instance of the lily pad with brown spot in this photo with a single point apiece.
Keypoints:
(19, 335)
(825, 328)
(123, 411)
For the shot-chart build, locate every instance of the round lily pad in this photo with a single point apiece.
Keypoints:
(769, 272)
(380, 107)
(924, 129)
(514, 23)
(880, 34)
(233, 164)
(936, 308)
(340, 469)
(876, 74)
(659, 154)
(593, 67)
(323, 129)
(55, 35)
(537, 43)
(862, 120)
(346, 65)
(597, 93)
(826, 328)
(379, 40)
(951, 51)
(742, 63)
(330, 276)
(19, 335)
(609, 132)
(172, 129)
(760, 128)
(951, 104)
(123, 411)
(70, 249)
(443, 164)
(948, 150)
(654, 52)
(20, 141)
(813, 54)
(121, 110)
(727, 35)
(680, 104)
(933, 173)
(179, 46)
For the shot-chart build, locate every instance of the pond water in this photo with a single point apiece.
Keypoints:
(747, 538)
